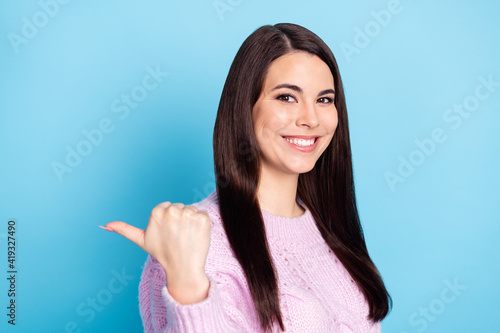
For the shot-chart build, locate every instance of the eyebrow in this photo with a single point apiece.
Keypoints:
(299, 90)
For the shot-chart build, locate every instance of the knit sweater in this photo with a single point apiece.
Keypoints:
(316, 292)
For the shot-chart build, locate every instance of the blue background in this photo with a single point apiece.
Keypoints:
(437, 225)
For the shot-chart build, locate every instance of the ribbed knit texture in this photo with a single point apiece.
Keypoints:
(316, 292)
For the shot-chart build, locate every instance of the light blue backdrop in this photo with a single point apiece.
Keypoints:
(422, 81)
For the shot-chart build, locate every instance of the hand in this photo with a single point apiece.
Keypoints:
(178, 237)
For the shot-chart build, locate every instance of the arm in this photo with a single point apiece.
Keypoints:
(181, 240)
(219, 312)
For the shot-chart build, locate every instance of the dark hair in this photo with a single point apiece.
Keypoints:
(327, 190)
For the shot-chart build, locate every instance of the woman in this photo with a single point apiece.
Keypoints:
(278, 246)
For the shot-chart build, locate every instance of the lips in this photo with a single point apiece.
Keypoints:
(305, 149)
(300, 141)
(304, 137)
(301, 137)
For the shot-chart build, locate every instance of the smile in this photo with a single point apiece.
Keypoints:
(305, 145)
(301, 142)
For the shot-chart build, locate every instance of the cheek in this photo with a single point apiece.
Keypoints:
(331, 122)
(272, 124)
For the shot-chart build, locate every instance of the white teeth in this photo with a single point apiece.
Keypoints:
(301, 142)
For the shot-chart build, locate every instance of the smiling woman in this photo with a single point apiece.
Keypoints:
(294, 114)
(279, 245)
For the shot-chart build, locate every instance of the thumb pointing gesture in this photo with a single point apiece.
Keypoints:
(128, 231)
(177, 236)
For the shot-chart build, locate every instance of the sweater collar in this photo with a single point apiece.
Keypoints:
(298, 229)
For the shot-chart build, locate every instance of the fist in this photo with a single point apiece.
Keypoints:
(177, 236)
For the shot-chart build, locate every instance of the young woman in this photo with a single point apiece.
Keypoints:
(279, 245)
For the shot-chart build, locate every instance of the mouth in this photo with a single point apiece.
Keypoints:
(302, 143)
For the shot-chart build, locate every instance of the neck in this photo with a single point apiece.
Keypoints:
(277, 193)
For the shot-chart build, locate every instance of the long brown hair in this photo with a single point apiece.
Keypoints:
(327, 190)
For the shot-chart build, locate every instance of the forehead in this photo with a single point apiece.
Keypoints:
(299, 68)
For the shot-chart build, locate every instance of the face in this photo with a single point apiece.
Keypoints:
(295, 117)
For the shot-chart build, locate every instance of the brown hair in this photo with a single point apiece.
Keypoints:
(327, 190)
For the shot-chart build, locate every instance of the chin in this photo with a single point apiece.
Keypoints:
(302, 168)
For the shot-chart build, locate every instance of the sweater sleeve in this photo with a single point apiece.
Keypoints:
(160, 312)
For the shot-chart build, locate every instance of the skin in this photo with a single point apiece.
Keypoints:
(284, 111)
(178, 236)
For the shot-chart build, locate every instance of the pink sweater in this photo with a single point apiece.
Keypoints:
(316, 292)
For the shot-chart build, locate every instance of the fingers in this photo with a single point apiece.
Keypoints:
(184, 207)
(180, 205)
(177, 208)
(137, 235)
(193, 208)
(132, 233)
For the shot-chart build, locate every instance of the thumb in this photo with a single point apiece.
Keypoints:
(132, 233)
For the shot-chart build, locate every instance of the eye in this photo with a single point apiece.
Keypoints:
(286, 98)
(325, 100)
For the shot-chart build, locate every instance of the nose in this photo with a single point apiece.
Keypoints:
(307, 116)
